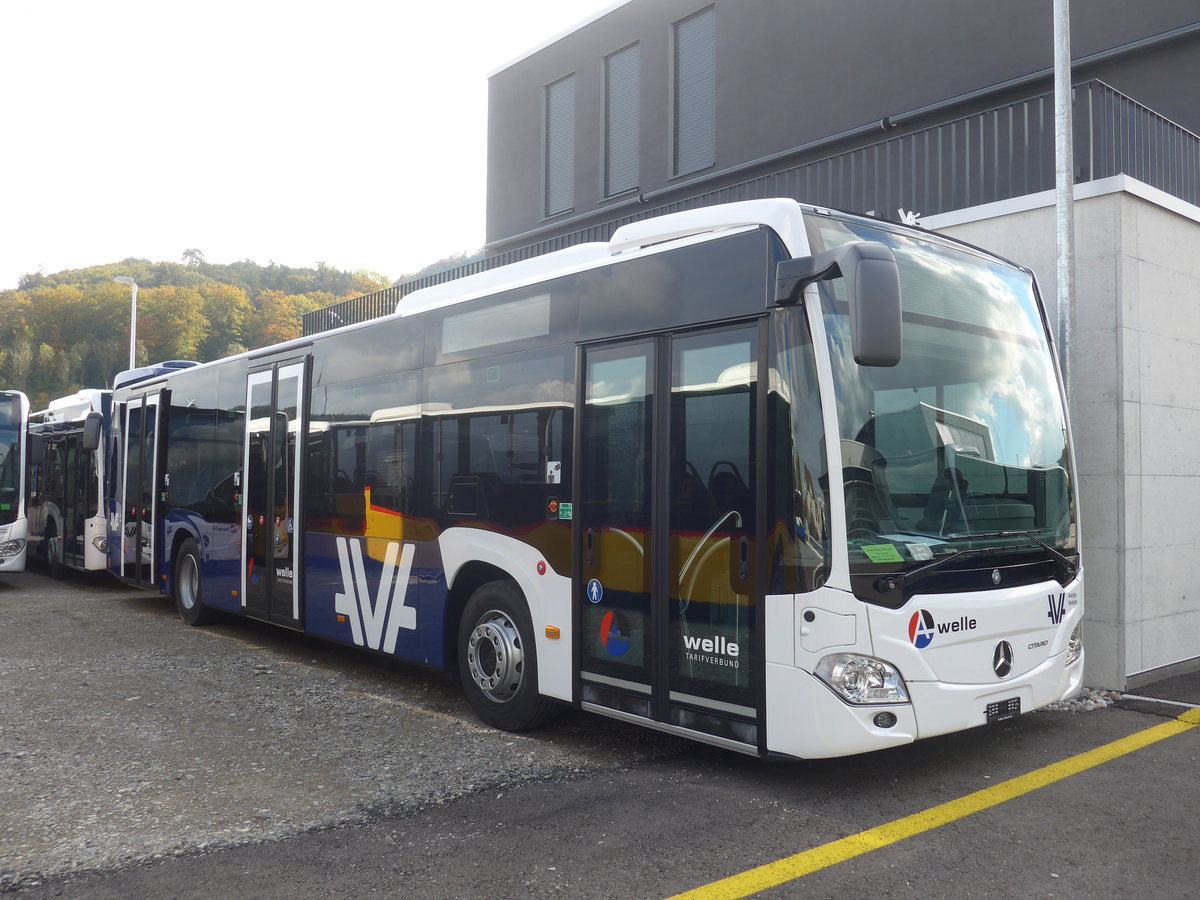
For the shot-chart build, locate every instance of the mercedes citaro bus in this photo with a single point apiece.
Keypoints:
(769, 476)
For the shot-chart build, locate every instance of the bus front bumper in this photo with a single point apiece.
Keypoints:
(807, 720)
(12, 554)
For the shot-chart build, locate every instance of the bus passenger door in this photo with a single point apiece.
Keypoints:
(613, 590)
(667, 525)
(272, 462)
(139, 522)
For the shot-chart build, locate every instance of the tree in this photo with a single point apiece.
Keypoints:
(20, 362)
(57, 314)
(276, 318)
(108, 347)
(172, 323)
(226, 308)
(15, 310)
(364, 281)
(71, 328)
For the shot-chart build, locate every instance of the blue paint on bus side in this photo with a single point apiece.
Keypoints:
(399, 607)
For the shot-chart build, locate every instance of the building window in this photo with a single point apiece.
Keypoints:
(694, 72)
(560, 146)
(622, 111)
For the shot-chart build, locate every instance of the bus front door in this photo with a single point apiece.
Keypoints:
(271, 578)
(665, 582)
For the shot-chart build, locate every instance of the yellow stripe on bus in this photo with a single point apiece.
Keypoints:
(809, 861)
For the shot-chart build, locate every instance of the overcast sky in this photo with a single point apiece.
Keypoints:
(352, 133)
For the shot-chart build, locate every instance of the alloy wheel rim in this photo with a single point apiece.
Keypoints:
(495, 658)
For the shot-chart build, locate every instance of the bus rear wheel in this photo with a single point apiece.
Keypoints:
(188, 596)
(497, 659)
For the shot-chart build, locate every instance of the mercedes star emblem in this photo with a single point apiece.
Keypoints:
(1002, 659)
(995, 576)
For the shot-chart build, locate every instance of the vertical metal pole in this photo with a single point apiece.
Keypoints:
(1064, 181)
(133, 329)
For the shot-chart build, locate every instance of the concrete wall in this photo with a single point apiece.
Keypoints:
(1135, 398)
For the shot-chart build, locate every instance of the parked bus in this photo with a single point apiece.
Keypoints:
(68, 527)
(14, 417)
(714, 477)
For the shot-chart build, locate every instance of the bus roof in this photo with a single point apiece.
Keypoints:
(132, 376)
(74, 407)
(651, 235)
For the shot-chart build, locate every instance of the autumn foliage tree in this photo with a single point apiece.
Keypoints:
(63, 332)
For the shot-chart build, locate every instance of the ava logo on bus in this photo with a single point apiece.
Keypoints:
(375, 618)
(1058, 608)
(922, 629)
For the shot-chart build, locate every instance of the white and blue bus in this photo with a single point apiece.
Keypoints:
(14, 419)
(779, 479)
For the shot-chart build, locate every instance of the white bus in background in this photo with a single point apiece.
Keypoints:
(14, 417)
(66, 483)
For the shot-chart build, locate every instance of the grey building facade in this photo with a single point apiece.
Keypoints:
(658, 102)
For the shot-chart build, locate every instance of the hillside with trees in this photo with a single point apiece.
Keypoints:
(70, 330)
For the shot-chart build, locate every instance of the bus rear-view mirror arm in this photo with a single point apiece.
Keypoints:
(872, 290)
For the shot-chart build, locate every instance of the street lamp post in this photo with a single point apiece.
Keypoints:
(125, 279)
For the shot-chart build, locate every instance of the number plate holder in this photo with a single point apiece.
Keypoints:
(1003, 710)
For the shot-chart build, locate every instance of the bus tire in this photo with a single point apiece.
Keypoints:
(186, 588)
(497, 659)
(54, 563)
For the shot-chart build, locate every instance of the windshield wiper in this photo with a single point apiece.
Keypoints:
(1069, 566)
(888, 583)
(925, 534)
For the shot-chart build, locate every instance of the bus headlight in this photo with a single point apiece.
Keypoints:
(862, 679)
(11, 548)
(100, 543)
(1075, 644)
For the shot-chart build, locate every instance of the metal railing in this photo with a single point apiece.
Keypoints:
(996, 154)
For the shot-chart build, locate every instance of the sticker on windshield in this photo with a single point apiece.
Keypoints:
(919, 552)
(882, 553)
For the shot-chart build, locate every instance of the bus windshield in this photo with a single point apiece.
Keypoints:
(963, 445)
(10, 457)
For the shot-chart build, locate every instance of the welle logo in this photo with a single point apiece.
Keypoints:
(375, 621)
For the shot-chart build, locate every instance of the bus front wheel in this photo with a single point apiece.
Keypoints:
(497, 659)
(187, 590)
(54, 557)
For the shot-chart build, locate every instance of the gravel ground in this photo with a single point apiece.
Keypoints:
(126, 736)
(1089, 699)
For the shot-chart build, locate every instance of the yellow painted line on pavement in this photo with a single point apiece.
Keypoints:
(809, 861)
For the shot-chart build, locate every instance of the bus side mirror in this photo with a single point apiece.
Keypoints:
(91, 431)
(872, 288)
(35, 450)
